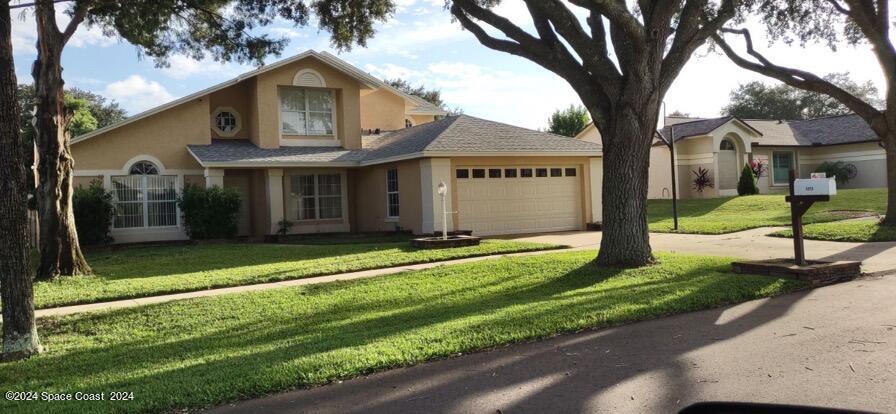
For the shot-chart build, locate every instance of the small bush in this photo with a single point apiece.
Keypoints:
(702, 179)
(839, 169)
(209, 213)
(94, 212)
(759, 167)
(747, 183)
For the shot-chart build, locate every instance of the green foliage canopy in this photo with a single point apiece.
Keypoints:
(569, 121)
(758, 100)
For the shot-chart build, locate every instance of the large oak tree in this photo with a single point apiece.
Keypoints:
(621, 62)
(830, 21)
(20, 338)
(222, 29)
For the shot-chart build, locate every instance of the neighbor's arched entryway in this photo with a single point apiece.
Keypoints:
(728, 165)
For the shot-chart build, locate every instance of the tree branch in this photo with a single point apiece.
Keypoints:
(690, 35)
(794, 77)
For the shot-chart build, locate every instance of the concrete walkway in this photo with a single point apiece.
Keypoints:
(833, 346)
(878, 258)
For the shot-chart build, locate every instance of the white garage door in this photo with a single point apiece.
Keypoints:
(508, 200)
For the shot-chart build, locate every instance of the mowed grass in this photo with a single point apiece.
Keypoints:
(198, 352)
(140, 272)
(731, 214)
(845, 231)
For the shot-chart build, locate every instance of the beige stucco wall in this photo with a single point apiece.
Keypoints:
(382, 109)
(422, 119)
(583, 163)
(691, 154)
(164, 136)
(237, 98)
(267, 103)
(85, 181)
(590, 134)
(659, 176)
(370, 197)
(868, 158)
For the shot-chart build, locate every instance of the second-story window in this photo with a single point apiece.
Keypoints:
(306, 111)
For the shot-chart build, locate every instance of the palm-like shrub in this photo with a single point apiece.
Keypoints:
(702, 179)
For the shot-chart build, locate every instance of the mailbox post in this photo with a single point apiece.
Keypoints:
(804, 193)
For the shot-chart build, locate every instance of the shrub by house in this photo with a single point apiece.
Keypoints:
(209, 213)
(94, 212)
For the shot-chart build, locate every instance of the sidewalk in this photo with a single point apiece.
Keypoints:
(878, 258)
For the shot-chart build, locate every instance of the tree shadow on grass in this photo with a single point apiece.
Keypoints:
(278, 346)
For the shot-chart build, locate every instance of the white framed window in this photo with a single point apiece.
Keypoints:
(226, 121)
(305, 111)
(392, 209)
(782, 163)
(143, 198)
(317, 196)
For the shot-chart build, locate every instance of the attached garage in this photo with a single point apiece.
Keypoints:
(495, 200)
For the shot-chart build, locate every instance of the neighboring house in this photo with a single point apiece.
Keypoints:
(316, 141)
(724, 145)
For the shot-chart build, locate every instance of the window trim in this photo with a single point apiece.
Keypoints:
(793, 165)
(389, 216)
(317, 196)
(214, 121)
(307, 112)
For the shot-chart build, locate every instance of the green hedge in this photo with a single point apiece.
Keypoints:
(209, 213)
(93, 213)
(747, 183)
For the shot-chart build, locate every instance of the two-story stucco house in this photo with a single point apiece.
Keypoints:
(316, 141)
(724, 145)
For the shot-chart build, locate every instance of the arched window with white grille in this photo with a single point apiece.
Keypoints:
(144, 198)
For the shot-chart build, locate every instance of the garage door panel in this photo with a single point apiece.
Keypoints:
(491, 206)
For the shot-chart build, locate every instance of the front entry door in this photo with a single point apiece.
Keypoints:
(241, 184)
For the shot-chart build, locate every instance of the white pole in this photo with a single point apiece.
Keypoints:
(444, 219)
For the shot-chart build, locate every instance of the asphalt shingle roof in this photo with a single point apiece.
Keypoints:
(244, 151)
(843, 129)
(453, 134)
(694, 128)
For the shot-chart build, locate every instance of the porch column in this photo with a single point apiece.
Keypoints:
(214, 177)
(433, 171)
(274, 189)
(596, 176)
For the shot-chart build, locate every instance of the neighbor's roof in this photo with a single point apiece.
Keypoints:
(422, 106)
(698, 127)
(833, 130)
(460, 135)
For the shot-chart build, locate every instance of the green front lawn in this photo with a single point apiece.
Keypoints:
(140, 272)
(212, 350)
(845, 231)
(730, 214)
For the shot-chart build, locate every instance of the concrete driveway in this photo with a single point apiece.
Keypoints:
(878, 257)
(833, 346)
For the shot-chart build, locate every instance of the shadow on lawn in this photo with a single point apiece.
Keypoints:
(288, 348)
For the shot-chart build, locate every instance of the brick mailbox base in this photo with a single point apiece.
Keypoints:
(439, 243)
(816, 273)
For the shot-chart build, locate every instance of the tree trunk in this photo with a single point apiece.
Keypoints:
(626, 240)
(59, 249)
(20, 338)
(889, 143)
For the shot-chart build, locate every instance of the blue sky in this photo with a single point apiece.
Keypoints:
(421, 44)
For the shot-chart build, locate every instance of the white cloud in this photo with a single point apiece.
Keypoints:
(286, 32)
(136, 94)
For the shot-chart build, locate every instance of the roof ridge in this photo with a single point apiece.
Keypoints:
(699, 120)
(451, 124)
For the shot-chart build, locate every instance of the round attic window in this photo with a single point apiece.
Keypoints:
(226, 122)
